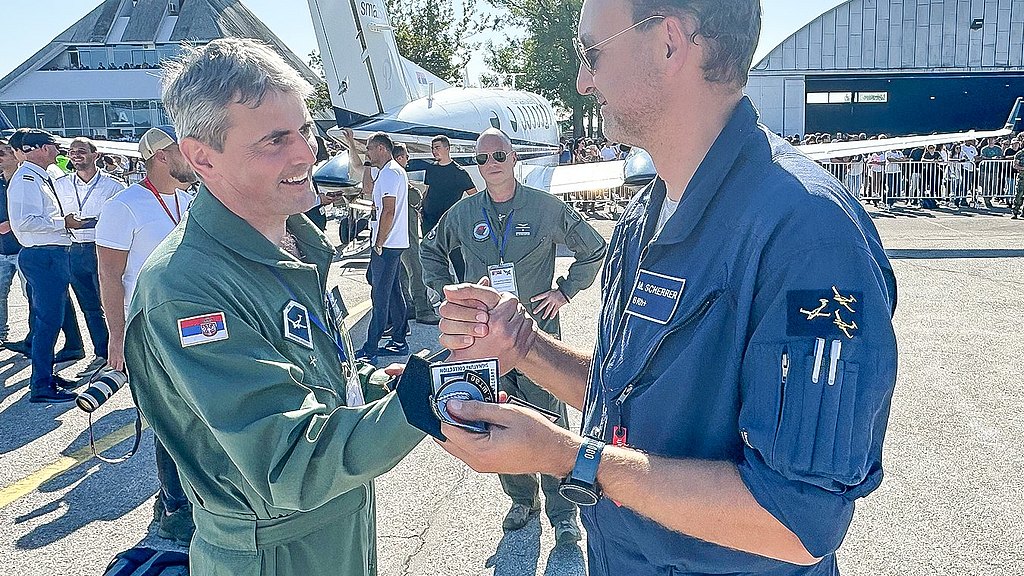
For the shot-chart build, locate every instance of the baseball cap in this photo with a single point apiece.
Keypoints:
(156, 139)
(32, 138)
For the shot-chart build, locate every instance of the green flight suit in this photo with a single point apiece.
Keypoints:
(539, 223)
(278, 469)
(1018, 196)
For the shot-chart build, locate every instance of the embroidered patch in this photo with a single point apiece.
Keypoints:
(655, 297)
(202, 329)
(823, 313)
(481, 231)
(296, 324)
(523, 229)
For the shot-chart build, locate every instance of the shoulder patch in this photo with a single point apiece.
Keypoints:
(203, 329)
(296, 324)
(828, 312)
(481, 231)
(28, 177)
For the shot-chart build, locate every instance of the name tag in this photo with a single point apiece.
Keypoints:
(655, 297)
(503, 278)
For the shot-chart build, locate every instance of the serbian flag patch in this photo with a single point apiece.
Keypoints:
(202, 329)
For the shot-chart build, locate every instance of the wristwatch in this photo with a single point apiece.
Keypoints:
(580, 486)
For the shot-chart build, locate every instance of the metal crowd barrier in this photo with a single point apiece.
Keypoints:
(955, 183)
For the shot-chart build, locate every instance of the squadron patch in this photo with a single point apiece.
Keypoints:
(202, 329)
(481, 231)
(823, 313)
(296, 324)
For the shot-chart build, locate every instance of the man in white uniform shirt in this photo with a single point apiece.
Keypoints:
(131, 226)
(390, 236)
(42, 227)
(83, 194)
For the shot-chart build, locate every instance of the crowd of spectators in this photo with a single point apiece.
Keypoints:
(584, 150)
(953, 174)
(102, 66)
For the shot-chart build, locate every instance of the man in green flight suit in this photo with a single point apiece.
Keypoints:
(509, 235)
(231, 348)
(1018, 168)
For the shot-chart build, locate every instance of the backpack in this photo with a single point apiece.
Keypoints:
(148, 562)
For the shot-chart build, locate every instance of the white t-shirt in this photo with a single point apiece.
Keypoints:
(392, 181)
(891, 156)
(135, 222)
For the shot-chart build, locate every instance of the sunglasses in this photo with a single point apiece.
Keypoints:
(590, 63)
(500, 157)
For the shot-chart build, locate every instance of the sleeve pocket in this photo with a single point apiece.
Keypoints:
(819, 438)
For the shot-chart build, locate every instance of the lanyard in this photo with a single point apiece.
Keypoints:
(88, 193)
(177, 208)
(312, 316)
(504, 236)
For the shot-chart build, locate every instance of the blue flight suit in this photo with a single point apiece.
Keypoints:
(756, 328)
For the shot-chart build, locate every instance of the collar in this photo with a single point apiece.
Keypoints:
(519, 199)
(96, 178)
(706, 181)
(237, 235)
(37, 169)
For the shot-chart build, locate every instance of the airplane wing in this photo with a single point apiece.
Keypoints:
(824, 152)
(573, 178)
(127, 149)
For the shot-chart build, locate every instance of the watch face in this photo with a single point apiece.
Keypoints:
(577, 494)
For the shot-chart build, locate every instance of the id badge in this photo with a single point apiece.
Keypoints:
(503, 278)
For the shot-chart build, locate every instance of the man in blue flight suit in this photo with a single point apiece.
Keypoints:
(737, 399)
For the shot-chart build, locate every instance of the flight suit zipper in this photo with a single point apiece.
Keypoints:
(632, 387)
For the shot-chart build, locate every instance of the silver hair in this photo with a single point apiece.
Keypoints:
(199, 86)
(495, 132)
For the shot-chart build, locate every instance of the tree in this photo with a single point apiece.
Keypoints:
(546, 57)
(320, 99)
(429, 34)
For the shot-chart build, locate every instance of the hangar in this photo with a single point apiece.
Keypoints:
(897, 67)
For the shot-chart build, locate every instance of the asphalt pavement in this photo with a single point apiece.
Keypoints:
(952, 501)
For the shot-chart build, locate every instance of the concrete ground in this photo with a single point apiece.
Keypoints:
(952, 501)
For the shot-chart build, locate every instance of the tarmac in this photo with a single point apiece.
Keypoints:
(951, 503)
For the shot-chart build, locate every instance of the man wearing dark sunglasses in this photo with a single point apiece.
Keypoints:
(508, 234)
(735, 404)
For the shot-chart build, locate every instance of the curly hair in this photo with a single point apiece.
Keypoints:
(730, 28)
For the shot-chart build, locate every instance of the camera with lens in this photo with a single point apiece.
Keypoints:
(101, 387)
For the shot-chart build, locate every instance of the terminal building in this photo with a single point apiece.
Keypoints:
(101, 77)
(897, 67)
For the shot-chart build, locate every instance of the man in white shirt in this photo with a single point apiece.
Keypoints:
(134, 222)
(131, 225)
(390, 237)
(83, 194)
(41, 226)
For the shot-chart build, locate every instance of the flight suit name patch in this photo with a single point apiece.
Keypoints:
(823, 313)
(202, 329)
(655, 297)
(296, 324)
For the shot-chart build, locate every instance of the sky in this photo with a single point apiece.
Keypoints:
(29, 26)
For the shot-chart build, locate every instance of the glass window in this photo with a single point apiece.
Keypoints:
(119, 114)
(26, 116)
(817, 98)
(872, 97)
(51, 116)
(97, 116)
(11, 111)
(93, 58)
(122, 56)
(142, 115)
(72, 115)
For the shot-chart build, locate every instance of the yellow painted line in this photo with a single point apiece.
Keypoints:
(29, 483)
(33, 481)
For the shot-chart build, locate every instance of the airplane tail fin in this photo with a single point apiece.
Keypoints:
(364, 71)
(1015, 122)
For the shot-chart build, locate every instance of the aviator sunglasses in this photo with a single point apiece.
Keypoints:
(500, 156)
(590, 63)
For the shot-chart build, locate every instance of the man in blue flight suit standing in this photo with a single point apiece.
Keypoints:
(737, 398)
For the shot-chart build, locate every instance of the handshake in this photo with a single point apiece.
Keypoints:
(458, 402)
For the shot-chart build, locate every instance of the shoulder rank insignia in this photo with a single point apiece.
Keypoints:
(28, 177)
(816, 313)
(202, 329)
(296, 324)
